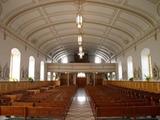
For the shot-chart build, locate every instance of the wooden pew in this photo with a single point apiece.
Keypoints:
(25, 104)
(110, 101)
(130, 111)
(21, 111)
(41, 104)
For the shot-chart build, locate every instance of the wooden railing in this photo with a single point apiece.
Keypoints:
(138, 85)
(7, 87)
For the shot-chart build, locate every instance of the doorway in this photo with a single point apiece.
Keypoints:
(81, 82)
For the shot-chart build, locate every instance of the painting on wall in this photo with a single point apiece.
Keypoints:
(22, 74)
(139, 73)
(37, 75)
(25, 74)
(155, 71)
(124, 75)
(136, 74)
(5, 72)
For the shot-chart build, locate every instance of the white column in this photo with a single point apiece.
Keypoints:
(87, 78)
(74, 79)
(68, 79)
(94, 79)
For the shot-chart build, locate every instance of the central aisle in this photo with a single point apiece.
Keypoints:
(80, 108)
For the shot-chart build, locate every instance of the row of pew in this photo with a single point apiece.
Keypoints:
(111, 101)
(46, 102)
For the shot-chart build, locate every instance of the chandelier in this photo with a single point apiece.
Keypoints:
(79, 20)
(79, 23)
(81, 54)
(79, 39)
(80, 49)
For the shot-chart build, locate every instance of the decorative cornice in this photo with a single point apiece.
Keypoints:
(22, 40)
(137, 41)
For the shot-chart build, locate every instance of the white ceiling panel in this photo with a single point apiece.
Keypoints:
(107, 24)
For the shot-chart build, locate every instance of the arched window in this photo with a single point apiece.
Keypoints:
(15, 65)
(98, 60)
(113, 76)
(81, 75)
(146, 63)
(48, 76)
(31, 67)
(64, 59)
(54, 76)
(42, 70)
(120, 70)
(109, 76)
(130, 67)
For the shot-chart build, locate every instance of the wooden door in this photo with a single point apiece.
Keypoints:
(81, 82)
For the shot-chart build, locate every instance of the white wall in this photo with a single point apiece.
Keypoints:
(5, 51)
(153, 45)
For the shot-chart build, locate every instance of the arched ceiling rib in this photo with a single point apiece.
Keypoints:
(90, 48)
(29, 23)
(89, 22)
(125, 8)
(53, 40)
(108, 24)
(67, 52)
(133, 11)
(86, 45)
(42, 43)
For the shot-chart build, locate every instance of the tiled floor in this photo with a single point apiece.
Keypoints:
(80, 108)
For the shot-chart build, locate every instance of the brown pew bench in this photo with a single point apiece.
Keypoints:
(21, 111)
(130, 111)
(112, 102)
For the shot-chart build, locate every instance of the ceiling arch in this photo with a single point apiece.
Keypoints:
(99, 52)
(29, 23)
(67, 52)
(44, 44)
(86, 45)
(91, 48)
(125, 8)
(105, 4)
(101, 24)
(109, 26)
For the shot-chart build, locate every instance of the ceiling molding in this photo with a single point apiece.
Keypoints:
(125, 8)
(43, 44)
(138, 41)
(66, 52)
(108, 19)
(23, 40)
(89, 47)
(72, 46)
(86, 47)
(23, 26)
(96, 23)
(128, 9)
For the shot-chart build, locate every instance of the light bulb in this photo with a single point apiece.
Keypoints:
(79, 40)
(79, 21)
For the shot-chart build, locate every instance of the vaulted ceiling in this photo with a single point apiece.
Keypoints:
(109, 26)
